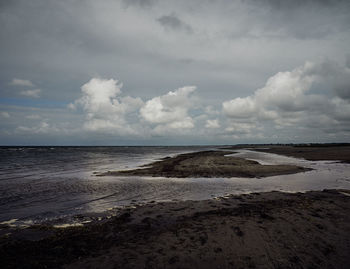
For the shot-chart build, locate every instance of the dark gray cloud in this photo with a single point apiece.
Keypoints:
(347, 61)
(174, 23)
(342, 87)
(140, 3)
(297, 4)
(304, 19)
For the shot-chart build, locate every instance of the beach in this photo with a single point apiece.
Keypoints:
(271, 229)
(258, 230)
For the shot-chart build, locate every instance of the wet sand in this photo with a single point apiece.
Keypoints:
(311, 153)
(261, 230)
(208, 164)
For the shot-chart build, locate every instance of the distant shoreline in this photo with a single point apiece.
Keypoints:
(200, 145)
(311, 152)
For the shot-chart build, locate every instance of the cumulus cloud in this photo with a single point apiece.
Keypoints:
(170, 110)
(31, 93)
(21, 82)
(105, 110)
(314, 95)
(240, 107)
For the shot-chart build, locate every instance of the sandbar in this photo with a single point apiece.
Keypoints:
(208, 164)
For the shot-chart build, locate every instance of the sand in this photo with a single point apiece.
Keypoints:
(317, 152)
(208, 164)
(261, 230)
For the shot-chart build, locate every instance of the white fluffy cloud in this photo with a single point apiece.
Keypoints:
(170, 110)
(21, 82)
(31, 93)
(105, 111)
(304, 104)
(315, 95)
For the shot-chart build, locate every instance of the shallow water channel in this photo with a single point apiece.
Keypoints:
(63, 189)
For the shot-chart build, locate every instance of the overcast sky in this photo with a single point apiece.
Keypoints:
(161, 72)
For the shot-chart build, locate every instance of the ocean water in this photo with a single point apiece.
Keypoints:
(43, 184)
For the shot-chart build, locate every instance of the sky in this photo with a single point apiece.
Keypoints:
(186, 72)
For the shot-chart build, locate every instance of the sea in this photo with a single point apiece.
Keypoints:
(61, 184)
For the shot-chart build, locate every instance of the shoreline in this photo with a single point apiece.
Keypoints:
(336, 153)
(208, 164)
(289, 230)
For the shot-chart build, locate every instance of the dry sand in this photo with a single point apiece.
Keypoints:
(266, 230)
(208, 164)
